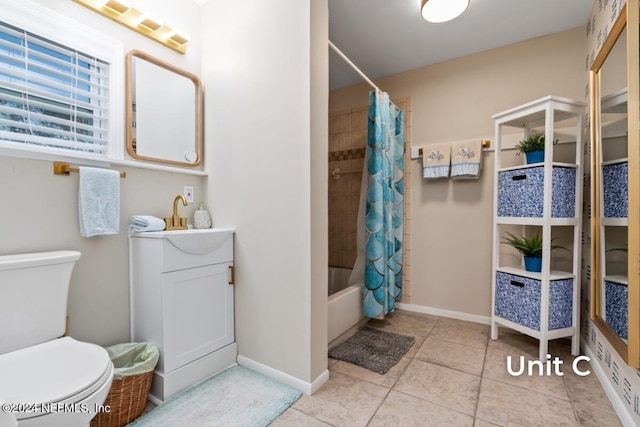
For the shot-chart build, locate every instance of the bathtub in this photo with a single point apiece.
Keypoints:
(345, 303)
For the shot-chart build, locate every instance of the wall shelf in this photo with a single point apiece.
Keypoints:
(546, 195)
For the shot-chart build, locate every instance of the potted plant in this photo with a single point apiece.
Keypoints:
(530, 248)
(532, 147)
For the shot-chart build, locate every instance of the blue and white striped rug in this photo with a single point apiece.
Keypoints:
(235, 397)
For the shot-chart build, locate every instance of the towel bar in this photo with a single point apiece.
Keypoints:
(336, 173)
(485, 144)
(60, 168)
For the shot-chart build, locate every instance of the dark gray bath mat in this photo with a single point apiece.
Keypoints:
(373, 349)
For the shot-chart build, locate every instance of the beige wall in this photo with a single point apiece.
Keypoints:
(39, 209)
(264, 108)
(266, 129)
(451, 220)
(319, 206)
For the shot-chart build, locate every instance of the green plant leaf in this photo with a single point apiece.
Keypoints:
(529, 246)
(534, 142)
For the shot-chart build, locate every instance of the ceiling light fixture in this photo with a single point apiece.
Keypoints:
(443, 10)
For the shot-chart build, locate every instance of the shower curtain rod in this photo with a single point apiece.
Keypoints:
(352, 65)
(357, 70)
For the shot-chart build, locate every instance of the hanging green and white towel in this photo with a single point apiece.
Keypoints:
(436, 159)
(466, 159)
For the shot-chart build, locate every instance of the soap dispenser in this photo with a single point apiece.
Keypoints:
(201, 218)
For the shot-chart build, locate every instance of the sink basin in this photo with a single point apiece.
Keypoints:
(192, 241)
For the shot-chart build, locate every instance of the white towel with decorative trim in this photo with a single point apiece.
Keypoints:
(466, 159)
(98, 202)
(436, 159)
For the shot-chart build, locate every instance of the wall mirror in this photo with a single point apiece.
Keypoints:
(614, 280)
(164, 112)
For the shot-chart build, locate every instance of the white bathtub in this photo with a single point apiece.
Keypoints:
(345, 303)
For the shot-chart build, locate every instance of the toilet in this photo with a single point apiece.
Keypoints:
(46, 379)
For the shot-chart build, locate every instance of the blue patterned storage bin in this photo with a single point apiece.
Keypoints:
(615, 184)
(520, 192)
(615, 307)
(518, 300)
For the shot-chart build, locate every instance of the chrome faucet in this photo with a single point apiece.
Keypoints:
(175, 222)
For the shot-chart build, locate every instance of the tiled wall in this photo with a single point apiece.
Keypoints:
(347, 142)
(624, 379)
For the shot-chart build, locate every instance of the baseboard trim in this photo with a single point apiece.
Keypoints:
(614, 398)
(485, 320)
(304, 386)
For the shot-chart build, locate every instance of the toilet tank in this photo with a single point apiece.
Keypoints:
(33, 297)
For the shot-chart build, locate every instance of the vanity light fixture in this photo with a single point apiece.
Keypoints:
(178, 37)
(150, 22)
(119, 6)
(443, 10)
(143, 23)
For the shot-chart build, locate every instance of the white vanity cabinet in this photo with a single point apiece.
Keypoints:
(182, 301)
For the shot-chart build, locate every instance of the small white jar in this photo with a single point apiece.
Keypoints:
(201, 218)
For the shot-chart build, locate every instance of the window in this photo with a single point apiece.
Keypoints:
(58, 86)
(51, 95)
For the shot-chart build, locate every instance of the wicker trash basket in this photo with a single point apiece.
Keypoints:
(133, 371)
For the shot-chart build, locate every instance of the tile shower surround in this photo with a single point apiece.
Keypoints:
(347, 145)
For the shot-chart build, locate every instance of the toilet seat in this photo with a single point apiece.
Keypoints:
(61, 372)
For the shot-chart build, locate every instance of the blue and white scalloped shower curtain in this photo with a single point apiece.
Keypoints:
(384, 206)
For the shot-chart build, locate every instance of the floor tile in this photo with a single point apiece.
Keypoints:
(496, 367)
(509, 341)
(560, 347)
(586, 390)
(454, 375)
(507, 405)
(442, 386)
(343, 401)
(595, 417)
(400, 409)
(461, 332)
(452, 355)
(387, 380)
(407, 324)
(294, 418)
(482, 423)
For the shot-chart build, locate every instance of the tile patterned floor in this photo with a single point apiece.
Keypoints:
(454, 375)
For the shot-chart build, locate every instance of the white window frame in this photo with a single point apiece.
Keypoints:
(48, 24)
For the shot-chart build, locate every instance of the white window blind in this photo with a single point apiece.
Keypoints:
(52, 95)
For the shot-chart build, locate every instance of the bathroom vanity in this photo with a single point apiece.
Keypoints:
(182, 301)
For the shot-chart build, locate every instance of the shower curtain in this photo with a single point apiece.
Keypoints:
(383, 216)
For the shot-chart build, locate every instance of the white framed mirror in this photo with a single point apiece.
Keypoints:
(164, 112)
